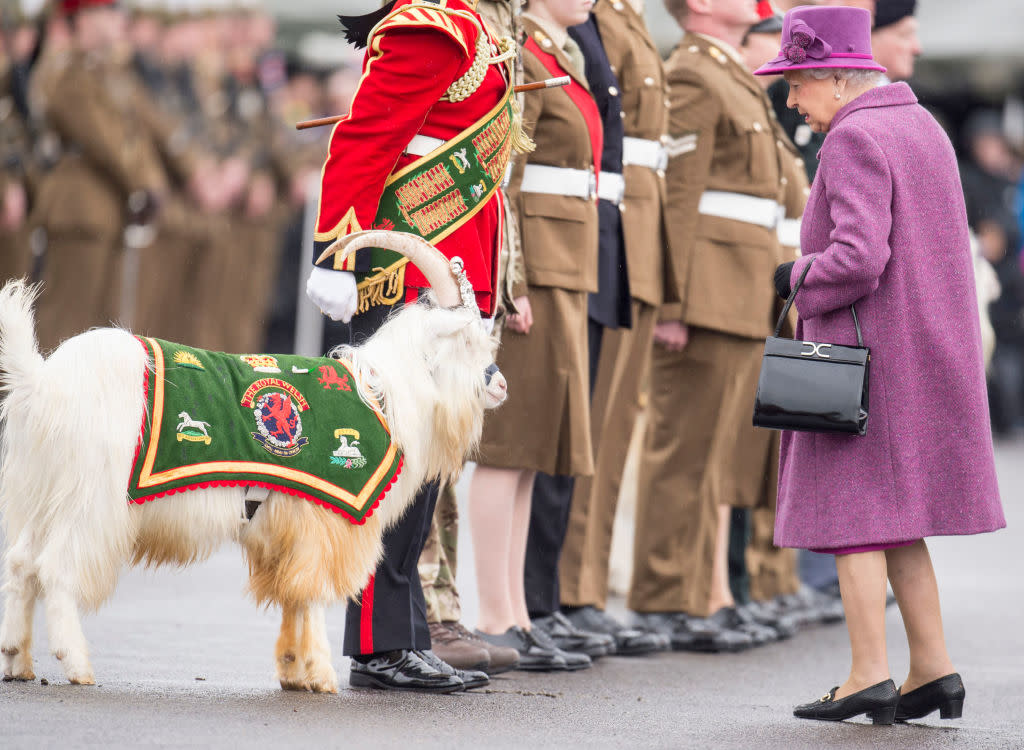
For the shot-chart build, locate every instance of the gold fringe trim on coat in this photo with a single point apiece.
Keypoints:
(385, 287)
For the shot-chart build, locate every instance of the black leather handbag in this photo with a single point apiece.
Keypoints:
(812, 387)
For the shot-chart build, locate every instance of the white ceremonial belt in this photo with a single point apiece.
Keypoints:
(612, 187)
(747, 208)
(789, 232)
(644, 153)
(421, 145)
(578, 183)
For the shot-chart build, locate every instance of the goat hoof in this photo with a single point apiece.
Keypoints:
(86, 679)
(289, 685)
(324, 687)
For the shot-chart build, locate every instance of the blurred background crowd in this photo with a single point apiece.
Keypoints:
(194, 102)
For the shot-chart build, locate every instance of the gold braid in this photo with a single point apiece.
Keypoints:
(470, 80)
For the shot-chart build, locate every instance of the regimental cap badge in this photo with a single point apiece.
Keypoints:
(187, 359)
(260, 362)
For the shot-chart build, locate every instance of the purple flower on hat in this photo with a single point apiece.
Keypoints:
(804, 43)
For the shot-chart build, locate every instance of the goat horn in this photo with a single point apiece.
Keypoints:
(432, 263)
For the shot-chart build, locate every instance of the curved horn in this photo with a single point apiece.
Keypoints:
(431, 261)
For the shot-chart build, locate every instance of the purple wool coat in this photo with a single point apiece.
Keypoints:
(887, 228)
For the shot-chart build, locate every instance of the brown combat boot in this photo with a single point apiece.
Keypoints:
(456, 650)
(502, 658)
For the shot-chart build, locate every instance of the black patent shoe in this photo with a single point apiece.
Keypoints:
(764, 613)
(878, 702)
(573, 659)
(945, 695)
(739, 619)
(471, 678)
(402, 670)
(533, 657)
(568, 637)
(628, 641)
(708, 635)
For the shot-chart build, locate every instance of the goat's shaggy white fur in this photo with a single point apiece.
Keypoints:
(70, 426)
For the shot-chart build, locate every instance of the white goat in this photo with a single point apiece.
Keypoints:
(71, 425)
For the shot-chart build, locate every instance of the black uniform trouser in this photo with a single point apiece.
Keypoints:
(391, 612)
(549, 517)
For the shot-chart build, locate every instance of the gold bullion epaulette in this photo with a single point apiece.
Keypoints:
(426, 15)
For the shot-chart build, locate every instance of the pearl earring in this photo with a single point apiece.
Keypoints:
(838, 96)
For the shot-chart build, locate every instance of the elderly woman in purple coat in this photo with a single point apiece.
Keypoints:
(886, 229)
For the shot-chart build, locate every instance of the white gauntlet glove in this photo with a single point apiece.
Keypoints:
(334, 292)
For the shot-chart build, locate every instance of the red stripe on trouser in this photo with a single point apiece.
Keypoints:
(366, 619)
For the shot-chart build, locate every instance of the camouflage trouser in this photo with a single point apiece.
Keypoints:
(438, 561)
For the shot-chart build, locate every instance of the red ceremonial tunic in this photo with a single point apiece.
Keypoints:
(409, 65)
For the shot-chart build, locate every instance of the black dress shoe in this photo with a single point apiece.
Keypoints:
(764, 613)
(533, 657)
(402, 670)
(739, 619)
(471, 678)
(687, 633)
(568, 637)
(707, 635)
(573, 659)
(945, 694)
(878, 702)
(628, 641)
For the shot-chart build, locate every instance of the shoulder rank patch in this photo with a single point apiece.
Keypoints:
(680, 146)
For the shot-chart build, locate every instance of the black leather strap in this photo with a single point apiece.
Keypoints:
(792, 297)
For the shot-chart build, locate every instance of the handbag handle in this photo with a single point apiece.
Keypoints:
(792, 297)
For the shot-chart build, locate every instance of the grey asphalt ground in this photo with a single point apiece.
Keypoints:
(184, 659)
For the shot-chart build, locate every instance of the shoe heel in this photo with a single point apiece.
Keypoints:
(883, 715)
(953, 709)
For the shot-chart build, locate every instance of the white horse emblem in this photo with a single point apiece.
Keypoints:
(460, 160)
(187, 422)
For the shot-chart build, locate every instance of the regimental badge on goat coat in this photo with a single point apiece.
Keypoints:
(288, 423)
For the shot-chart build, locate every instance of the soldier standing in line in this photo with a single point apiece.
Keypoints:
(554, 191)
(18, 43)
(608, 310)
(702, 456)
(771, 572)
(109, 175)
(443, 86)
(625, 352)
(450, 639)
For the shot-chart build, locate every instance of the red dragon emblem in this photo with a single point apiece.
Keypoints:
(329, 377)
(279, 425)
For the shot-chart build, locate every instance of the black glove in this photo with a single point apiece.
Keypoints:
(782, 285)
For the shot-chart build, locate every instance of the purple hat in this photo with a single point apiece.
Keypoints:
(823, 37)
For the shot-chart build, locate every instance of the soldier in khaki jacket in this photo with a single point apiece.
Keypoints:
(773, 571)
(583, 568)
(83, 202)
(701, 455)
(544, 346)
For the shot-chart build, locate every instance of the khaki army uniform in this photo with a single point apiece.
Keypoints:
(583, 567)
(439, 560)
(773, 571)
(108, 157)
(547, 427)
(724, 181)
(15, 150)
(439, 556)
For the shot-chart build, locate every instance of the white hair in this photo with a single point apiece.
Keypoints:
(855, 76)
